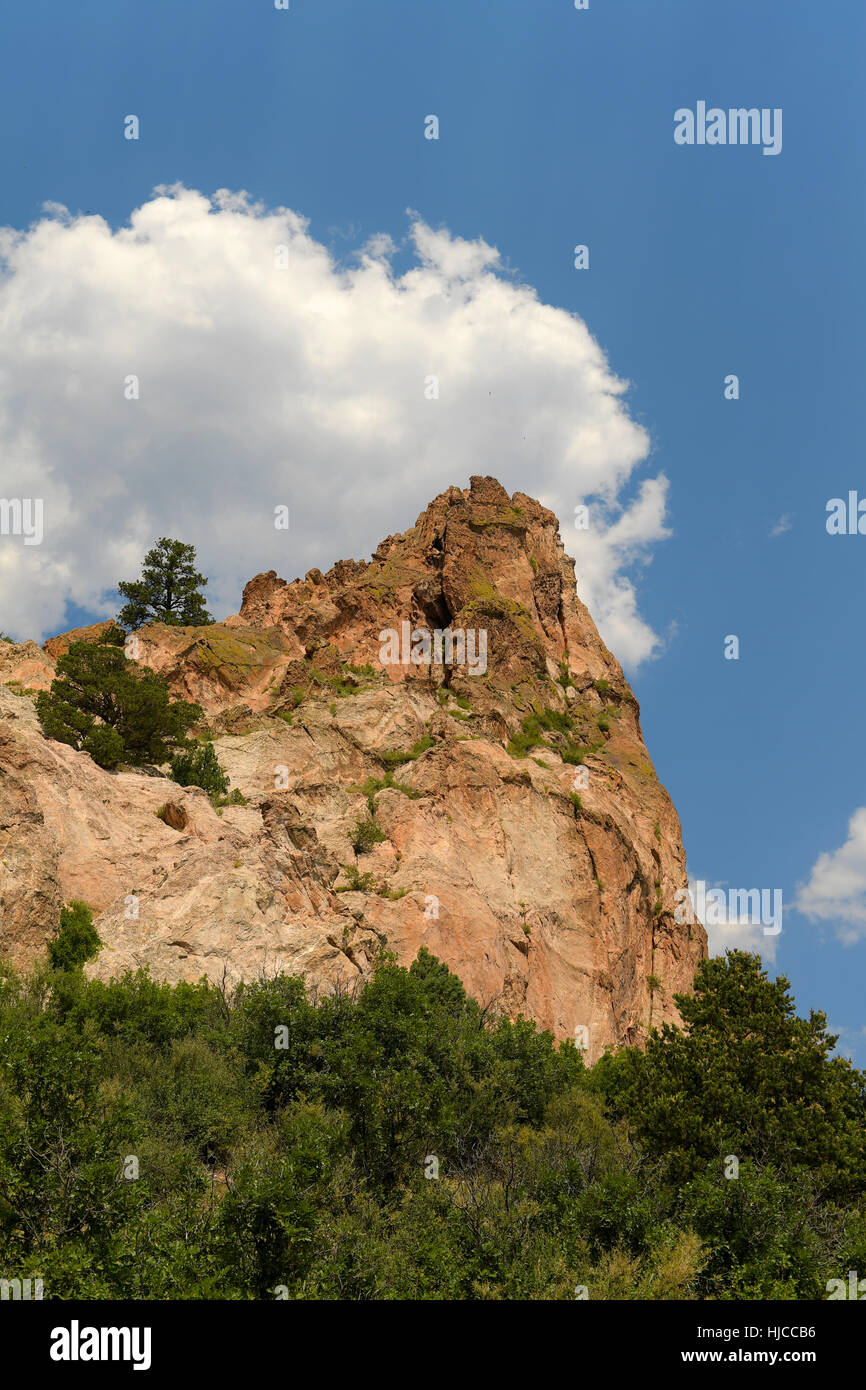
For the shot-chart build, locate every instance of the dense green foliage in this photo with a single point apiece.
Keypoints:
(365, 834)
(77, 939)
(168, 590)
(403, 1143)
(200, 767)
(114, 709)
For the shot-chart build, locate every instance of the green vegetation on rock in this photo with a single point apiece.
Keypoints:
(394, 757)
(366, 834)
(116, 710)
(200, 767)
(76, 941)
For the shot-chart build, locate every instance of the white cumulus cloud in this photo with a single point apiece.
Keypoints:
(740, 934)
(732, 918)
(836, 888)
(304, 386)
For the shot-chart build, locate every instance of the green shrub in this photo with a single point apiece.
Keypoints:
(351, 680)
(373, 785)
(520, 744)
(17, 688)
(393, 757)
(356, 882)
(573, 754)
(524, 739)
(234, 798)
(77, 939)
(532, 726)
(200, 767)
(365, 835)
(554, 720)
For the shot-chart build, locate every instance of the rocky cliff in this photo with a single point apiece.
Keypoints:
(493, 801)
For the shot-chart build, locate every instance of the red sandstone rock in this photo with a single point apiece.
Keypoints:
(548, 901)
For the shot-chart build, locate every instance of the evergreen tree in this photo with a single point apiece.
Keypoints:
(113, 708)
(746, 1076)
(168, 590)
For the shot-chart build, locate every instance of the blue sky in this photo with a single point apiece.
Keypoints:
(556, 128)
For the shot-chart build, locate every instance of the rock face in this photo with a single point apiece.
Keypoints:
(24, 667)
(56, 646)
(509, 820)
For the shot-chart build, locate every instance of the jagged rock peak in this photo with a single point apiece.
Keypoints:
(519, 830)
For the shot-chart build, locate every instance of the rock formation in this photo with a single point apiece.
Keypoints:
(510, 820)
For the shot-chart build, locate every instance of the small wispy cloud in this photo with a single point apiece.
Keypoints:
(782, 525)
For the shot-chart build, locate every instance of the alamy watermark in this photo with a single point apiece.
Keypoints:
(846, 518)
(736, 126)
(22, 516)
(856, 1288)
(736, 907)
(77, 1343)
(450, 646)
(21, 1289)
